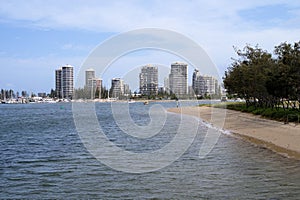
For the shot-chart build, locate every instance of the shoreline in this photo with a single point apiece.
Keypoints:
(278, 137)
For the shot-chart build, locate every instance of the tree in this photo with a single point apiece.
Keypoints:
(265, 81)
(288, 73)
(247, 76)
(24, 94)
(97, 93)
(104, 93)
(52, 93)
(2, 94)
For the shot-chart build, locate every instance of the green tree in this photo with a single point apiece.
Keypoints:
(246, 78)
(288, 72)
(52, 93)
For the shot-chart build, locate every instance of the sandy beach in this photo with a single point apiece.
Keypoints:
(276, 136)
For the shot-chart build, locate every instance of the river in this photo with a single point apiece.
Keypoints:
(42, 156)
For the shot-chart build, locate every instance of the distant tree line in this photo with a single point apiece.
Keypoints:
(11, 94)
(85, 93)
(266, 80)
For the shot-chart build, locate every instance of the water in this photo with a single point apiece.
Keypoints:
(43, 157)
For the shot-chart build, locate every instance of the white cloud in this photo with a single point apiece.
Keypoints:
(118, 16)
(216, 24)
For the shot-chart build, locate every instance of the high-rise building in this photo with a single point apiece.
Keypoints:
(58, 83)
(89, 75)
(126, 89)
(178, 80)
(92, 84)
(211, 85)
(64, 82)
(117, 88)
(94, 88)
(149, 80)
(204, 85)
(67, 81)
(198, 84)
(95, 83)
(166, 85)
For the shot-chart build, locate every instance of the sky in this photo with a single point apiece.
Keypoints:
(39, 36)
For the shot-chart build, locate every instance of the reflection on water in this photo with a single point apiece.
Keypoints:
(43, 157)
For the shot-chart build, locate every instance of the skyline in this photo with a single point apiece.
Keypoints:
(37, 39)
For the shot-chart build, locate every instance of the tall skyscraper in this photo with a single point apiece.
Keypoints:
(58, 83)
(126, 89)
(167, 85)
(117, 88)
(198, 84)
(149, 80)
(89, 75)
(92, 84)
(204, 85)
(94, 87)
(211, 85)
(67, 81)
(64, 82)
(178, 80)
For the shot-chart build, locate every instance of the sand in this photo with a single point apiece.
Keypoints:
(276, 136)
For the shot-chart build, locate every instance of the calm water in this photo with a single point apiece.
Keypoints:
(43, 157)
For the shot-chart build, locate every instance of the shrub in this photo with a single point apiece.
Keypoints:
(276, 114)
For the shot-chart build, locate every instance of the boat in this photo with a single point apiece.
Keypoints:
(131, 101)
(49, 100)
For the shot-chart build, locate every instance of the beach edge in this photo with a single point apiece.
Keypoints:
(264, 140)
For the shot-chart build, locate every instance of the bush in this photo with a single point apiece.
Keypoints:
(280, 115)
(276, 114)
(258, 111)
(268, 113)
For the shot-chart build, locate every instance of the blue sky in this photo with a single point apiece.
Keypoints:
(39, 36)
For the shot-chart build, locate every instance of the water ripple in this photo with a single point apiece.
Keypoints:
(43, 157)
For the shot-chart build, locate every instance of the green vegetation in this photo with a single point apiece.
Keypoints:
(11, 94)
(280, 114)
(267, 81)
(85, 93)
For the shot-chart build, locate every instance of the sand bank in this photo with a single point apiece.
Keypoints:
(277, 136)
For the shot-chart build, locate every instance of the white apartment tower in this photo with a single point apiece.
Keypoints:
(64, 82)
(149, 80)
(117, 88)
(178, 79)
(204, 85)
(89, 75)
(167, 85)
(92, 83)
(199, 85)
(211, 85)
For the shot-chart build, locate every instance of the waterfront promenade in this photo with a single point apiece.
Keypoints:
(276, 136)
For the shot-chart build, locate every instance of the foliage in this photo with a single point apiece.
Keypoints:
(52, 93)
(280, 114)
(265, 80)
(11, 94)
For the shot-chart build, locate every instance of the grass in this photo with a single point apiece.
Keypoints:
(279, 114)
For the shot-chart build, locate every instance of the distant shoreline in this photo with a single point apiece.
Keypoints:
(48, 101)
(281, 138)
